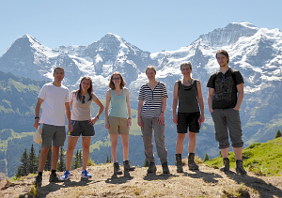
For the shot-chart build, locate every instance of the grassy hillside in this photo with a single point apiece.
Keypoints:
(260, 158)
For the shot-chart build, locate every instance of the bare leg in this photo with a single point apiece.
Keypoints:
(238, 152)
(192, 142)
(85, 146)
(125, 144)
(224, 152)
(43, 158)
(71, 146)
(114, 142)
(55, 157)
(179, 143)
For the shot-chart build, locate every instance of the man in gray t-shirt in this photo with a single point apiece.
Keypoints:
(226, 92)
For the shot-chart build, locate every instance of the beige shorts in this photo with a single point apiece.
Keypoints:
(118, 125)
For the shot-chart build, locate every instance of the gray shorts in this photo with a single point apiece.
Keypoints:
(82, 127)
(50, 133)
(224, 120)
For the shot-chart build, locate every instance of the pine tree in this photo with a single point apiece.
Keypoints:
(107, 161)
(75, 163)
(206, 157)
(33, 160)
(278, 134)
(80, 158)
(48, 164)
(61, 166)
(23, 168)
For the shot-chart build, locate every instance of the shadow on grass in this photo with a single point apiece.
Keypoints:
(263, 188)
(119, 180)
(207, 177)
(52, 187)
(154, 176)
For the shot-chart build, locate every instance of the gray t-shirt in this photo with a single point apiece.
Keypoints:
(225, 95)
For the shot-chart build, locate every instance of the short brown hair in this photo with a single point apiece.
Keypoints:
(58, 68)
(122, 82)
(223, 52)
(188, 63)
(150, 67)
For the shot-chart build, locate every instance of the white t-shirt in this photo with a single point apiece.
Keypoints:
(53, 111)
(81, 111)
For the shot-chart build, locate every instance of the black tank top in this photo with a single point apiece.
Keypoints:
(187, 95)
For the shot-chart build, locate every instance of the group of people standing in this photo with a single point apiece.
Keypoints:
(224, 100)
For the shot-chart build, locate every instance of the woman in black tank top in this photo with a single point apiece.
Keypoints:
(188, 92)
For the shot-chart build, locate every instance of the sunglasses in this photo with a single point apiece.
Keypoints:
(83, 99)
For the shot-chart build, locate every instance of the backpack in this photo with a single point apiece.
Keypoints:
(233, 77)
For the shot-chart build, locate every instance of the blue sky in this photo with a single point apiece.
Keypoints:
(151, 25)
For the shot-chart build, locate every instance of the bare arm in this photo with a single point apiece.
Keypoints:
(37, 112)
(200, 102)
(210, 98)
(129, 121)
(161, 117)
(174, 103)
(139, 120)
(68, 115)
(240, 89)
(99, 103)
(108, 98)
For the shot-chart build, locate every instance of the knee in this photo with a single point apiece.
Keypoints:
(126, 145)
(85, 147)
(180, 138)
(45, 150)
(192, 136)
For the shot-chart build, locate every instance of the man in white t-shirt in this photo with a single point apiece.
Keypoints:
(55, 99)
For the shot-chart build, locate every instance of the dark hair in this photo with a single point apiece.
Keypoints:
(188, 63)
(223, 52)
(122, 82)
(89, 91)
(57, 68)
(150, 67)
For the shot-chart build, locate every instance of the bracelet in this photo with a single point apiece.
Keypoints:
(36, 117)
(97, 116)
(129, 118)
(162, 112)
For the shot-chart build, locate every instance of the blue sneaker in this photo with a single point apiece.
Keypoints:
(66, 175)
(85, 174)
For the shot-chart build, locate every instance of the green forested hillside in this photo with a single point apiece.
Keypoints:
(261, 158)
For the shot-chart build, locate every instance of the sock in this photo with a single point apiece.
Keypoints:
(40, 173)
(53, 171)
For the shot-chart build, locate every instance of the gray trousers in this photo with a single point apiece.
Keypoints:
(150, 124)
(225, 119)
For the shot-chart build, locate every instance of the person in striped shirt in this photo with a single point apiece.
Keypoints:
(151, 107)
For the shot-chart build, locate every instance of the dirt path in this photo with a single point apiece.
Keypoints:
(207, 182)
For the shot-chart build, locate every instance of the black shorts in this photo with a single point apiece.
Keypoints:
(188, 120)
(83, 128)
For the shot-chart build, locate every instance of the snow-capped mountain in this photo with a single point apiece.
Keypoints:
(256, 52)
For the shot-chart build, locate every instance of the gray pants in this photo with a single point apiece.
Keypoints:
(147, 130)
(223, 119)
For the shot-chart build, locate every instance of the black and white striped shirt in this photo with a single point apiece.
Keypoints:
(153, 99)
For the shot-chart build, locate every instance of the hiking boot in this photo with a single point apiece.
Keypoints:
(152, 168)
(85, 174)
(54, 178)
(66, 175)
(191, 163)
(128, 166)
(239, 168)
(165, 168)
(225, 167)
(38, 180)
(117, 170)
(179, 163)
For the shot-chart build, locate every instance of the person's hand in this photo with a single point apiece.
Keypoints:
(140, 123)
(70, 128)
(93, 120)
(36, 123)
(175, 119)
(107, 125)
(236, 109)
(129, 122)
(210, 110)
(201, 118)
(161, 119)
